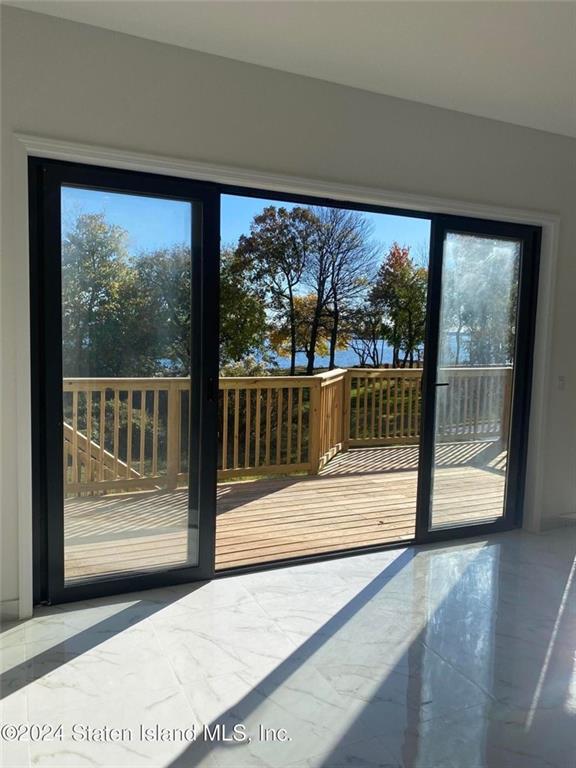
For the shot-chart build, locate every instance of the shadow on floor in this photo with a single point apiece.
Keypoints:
(485, 454)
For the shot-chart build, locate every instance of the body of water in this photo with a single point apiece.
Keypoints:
(345, 358)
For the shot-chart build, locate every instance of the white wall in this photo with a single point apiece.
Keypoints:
(73, 82)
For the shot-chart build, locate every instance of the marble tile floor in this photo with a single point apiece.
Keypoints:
(454, 656)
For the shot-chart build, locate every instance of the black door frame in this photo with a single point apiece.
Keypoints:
(530, 239)
(46, 178)
(46, 341)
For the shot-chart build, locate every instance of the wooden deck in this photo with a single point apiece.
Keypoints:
(362, 497)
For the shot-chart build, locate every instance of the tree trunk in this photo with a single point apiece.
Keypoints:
(334, 338)
(314, 328)
(292, 335)
(311, 351)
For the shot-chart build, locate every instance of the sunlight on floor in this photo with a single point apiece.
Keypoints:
(421, 658)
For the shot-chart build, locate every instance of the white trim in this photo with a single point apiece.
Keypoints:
(115, 158)
(26, 145)
(542, 380)
(23, 385)
(10, 610)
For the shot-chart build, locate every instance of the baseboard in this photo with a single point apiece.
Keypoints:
(9, 610)
(559, 521)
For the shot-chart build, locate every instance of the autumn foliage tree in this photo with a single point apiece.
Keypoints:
(277, 248)
(399, 295)
(317, 259)
(281, 331)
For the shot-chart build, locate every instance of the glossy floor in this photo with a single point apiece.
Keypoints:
(461, 656)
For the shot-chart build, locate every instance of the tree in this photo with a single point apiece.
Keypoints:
(400, 294)
(164, 276)
(479, 300)
(105, 320)
(324, 254)
(347, 255)
(167, 276)
(243, 322)
(129, 315)
(366, 335)
(278, 248)
(281, 332)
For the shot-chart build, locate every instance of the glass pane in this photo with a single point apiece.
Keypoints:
(126, 279)
(474, 378)
(322, 320)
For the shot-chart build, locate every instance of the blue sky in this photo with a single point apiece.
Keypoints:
(154, 223)
(151, 222)
(237, 213)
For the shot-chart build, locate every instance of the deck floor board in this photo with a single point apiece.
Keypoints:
(363, 497)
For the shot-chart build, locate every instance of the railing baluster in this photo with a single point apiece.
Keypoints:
(225, 429)
(173, 438)
(89, 435)
(257, 428)
(410, 391)
(116, 438)
(142, 431)
(235, 445)
(465, 415)
(373, 407)
(248, 428)
(357, 407)
(388, 404)
(289, 428)
(102, 430)
(279, 403)
(155, 434)
(380, 405)
(403, 407)
(129, 434)
(268, 435)
(477, 394)
(417, 405)
(75, 468)
(365, 408)
(299, 432)
(490, 414)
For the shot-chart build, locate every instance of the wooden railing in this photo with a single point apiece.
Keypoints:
(475, 403)
(385, 405)
(125, 434)
(278, 424)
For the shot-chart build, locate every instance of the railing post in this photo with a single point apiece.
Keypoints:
(314, 425)
(346, 397)
(173, 436)
(506, 406)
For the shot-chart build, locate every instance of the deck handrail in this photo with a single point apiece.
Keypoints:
(267, 424)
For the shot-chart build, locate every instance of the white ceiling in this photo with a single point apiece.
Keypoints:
(511, 61)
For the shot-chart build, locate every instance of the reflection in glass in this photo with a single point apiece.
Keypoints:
(474, 378)
(126, 280)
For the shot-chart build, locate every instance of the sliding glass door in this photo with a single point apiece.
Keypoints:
(478, 375)
(127, 379)
(357, 395)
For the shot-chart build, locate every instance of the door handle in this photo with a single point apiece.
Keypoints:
(442, 384)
